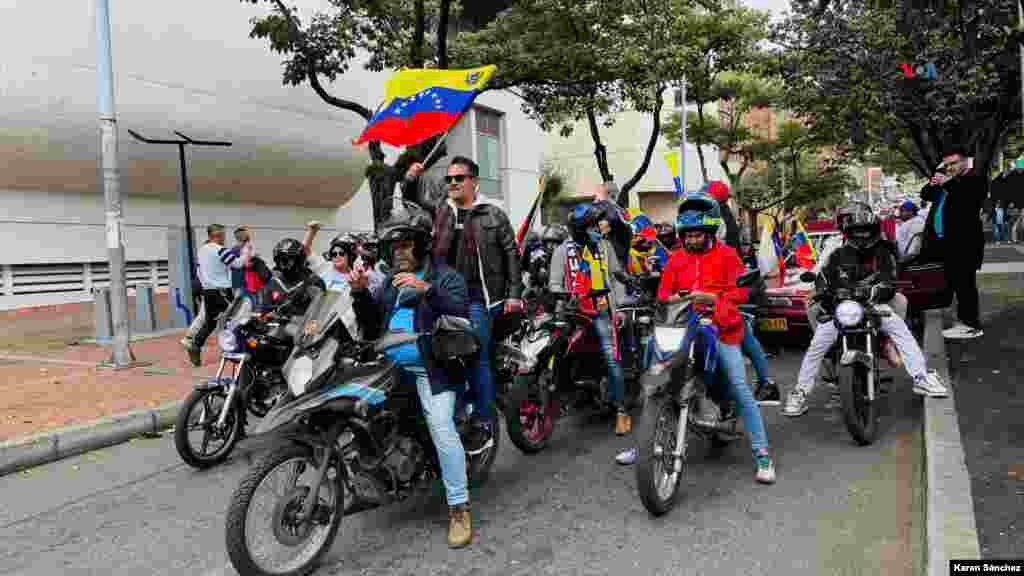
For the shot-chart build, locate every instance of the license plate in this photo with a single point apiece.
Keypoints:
(772, 324)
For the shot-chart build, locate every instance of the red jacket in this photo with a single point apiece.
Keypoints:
(715, 272)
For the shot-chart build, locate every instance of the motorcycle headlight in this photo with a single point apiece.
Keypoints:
(300, 374)
(849, 313)
(227, 341)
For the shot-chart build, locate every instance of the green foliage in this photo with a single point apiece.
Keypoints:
(841, 66)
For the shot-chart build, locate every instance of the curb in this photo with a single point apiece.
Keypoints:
(950, 528)
(43, 448)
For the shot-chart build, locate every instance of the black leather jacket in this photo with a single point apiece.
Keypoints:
(488, 228)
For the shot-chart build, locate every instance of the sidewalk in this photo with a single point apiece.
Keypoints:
(45, 391)
(989, 404)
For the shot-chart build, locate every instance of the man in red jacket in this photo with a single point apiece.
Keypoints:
(705, 272)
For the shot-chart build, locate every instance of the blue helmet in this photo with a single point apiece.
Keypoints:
(582, 218)
(698, 212)
(910, 206)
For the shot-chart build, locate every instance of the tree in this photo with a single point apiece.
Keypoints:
(389, 35)
(715, 43)
(738, 95)
(842, 71)
(586, 61)
(799, 172)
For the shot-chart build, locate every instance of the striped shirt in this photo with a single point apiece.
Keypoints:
(215, 262)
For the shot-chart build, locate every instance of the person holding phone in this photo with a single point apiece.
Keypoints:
(954, 235)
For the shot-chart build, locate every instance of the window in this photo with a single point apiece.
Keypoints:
(488, 152)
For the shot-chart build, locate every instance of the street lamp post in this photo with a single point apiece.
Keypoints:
(121, 354)
(682, 135)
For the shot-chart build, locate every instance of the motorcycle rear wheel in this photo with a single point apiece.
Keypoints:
(859, 413)
(209, 414)
(656, 478)
(316, 537)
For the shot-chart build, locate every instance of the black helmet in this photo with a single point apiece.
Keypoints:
(347, 243)
(859, 224)
(554, 234)
(368, 247)
(412, 223)
(289, 256)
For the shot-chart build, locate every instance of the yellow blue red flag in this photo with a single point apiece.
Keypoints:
(420, 103)
(672, 157)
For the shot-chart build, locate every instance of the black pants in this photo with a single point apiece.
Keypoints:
(216, 302)
(962, 280)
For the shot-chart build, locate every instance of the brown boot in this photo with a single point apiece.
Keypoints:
(623, 424)
(460, 526)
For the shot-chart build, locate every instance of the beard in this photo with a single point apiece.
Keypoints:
(405, 262)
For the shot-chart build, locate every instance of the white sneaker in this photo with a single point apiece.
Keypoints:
(962, 331)
(796, 403)
(930, 385)
(627, 457)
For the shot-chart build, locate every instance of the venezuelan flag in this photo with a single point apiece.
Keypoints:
(672, 157)
(806, 255)
(420, 103)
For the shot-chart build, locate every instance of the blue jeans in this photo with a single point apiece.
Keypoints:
(481, 379)
(752, 348)
(439, 410)
(609, 345)
(730, 361)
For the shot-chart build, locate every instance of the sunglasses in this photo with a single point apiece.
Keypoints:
(457, 178)
(336, 253)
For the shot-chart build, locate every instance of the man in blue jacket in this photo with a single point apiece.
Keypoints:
(418, 290)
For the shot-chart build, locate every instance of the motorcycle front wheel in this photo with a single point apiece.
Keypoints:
(656, 476)
(478, 466)
(265, 536)
(531, 414)
(859, 413)
(199, 415)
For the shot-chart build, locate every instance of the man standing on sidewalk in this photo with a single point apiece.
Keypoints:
(475, 238)
(215, 264)
(954, 235)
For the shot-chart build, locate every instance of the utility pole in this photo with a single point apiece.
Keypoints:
(121, 355)
(682, 134)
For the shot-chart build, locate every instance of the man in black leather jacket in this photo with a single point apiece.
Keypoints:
(863, 257)
(474, 237)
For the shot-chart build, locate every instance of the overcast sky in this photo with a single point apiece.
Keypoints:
(775, 6)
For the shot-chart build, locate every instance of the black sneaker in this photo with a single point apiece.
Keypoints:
(195, 355)
(767, 394)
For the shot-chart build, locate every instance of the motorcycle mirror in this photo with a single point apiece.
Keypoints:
(808, 277)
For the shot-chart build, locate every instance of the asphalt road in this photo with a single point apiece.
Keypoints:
(837, 509)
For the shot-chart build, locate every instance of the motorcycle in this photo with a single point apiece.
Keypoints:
(357, 440)
(254, 346)
(678, 383)
(556, 368)
(854, 358)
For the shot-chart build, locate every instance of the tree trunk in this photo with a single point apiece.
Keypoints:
(623, 199)
(600, 152)
(700, 150)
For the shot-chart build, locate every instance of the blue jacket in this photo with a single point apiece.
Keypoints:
(447, 295)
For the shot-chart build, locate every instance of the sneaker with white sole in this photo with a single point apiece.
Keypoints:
(962, 331)
(796, 403)
(765, 467)
(627, 457)
(930, 385)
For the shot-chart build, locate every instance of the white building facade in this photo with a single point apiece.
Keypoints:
(190, 66)
(626, 142)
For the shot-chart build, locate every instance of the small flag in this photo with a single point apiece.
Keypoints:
(806, 255)
(672, 157)
(525, 226)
